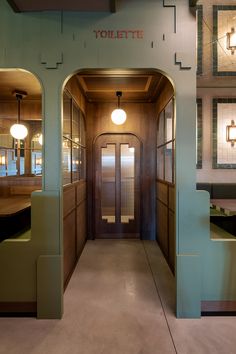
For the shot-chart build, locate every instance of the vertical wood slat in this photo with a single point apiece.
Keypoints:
(166, 221)
(118, 184)
(74, 226)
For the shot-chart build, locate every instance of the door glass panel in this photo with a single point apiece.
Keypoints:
(75, 162)
(127, 155)
(108, 190)
(66, 161)
(168, 163)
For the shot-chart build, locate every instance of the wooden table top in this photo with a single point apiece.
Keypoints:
(13, 205)
(227, 206)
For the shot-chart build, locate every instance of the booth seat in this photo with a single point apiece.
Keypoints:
(15, 204)
(221, 191)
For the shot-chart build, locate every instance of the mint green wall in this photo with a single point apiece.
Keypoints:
(55, 45)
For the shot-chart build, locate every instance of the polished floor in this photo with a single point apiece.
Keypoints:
(120, 300)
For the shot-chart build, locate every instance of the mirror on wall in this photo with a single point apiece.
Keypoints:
(20, 104)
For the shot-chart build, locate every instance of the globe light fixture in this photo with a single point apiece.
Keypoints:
(231, 40)
(118, 116)
(18, 130)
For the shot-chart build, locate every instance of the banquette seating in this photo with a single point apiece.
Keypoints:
(15, 204)
(221, 191)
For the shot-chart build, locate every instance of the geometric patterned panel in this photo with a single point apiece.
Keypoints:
(224, 19)
(224, 155)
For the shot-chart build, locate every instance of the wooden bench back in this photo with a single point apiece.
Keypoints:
(22, 190)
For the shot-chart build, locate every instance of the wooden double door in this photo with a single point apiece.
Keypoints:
(117, 186)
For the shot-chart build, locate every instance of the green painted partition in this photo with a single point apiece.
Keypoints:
(54, 45)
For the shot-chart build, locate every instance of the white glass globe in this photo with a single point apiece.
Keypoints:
(18, 131)
(118, 116)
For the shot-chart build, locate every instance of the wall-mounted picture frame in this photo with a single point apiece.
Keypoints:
(224, 55)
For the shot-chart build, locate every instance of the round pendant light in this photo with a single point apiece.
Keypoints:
(118, 116)
(18, 130)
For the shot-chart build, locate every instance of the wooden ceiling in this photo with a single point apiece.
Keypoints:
(97, 86)
(11, 80)
(136, 85)
(66, 5)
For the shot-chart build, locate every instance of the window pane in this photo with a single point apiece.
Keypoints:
(66, 116)
(108, 183)
(169, 123)
(66, 161)
(160, 129)
(82, 130)
(6, 141)
(3, 162)
(76, 124)
(83, 163)
(36, 162)
(168, 164)
(127, 158)
(75, 163)
(160, 163)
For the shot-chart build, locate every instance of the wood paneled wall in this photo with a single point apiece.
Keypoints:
(166, 221)
(30, 109)
(74, 218)
(141, 121)
(21, 183)
(74, 204)
(73, 87)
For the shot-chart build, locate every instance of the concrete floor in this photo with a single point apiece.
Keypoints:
(120, 300)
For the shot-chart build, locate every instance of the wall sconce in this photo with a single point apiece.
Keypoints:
(231, 40)
(2, 160)
(118, 116)
(19, 131)
(231, 133)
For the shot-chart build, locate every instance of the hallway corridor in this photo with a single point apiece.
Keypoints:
(120, 300)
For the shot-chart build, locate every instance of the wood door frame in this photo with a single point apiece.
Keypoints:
(94, 178)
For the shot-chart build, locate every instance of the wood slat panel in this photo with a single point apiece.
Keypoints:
(69, 245)
(162, 192)
(162, 227)
(171, 236)
(172, 198)
(69, 202)
(18, 307)
(81, 227)
(81, 191)
(218, 306)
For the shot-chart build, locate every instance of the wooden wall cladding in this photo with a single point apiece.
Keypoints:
(141, 121)
(74, 225)
(162, 227)
(166, 221)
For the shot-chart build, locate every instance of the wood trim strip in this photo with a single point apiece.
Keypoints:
(218, 306)
(18, 307)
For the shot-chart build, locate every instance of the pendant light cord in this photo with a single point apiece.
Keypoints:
(18, 97)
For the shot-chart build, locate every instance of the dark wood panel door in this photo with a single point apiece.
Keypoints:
(117, 186)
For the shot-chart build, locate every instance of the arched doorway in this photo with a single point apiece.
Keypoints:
(145, 95)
